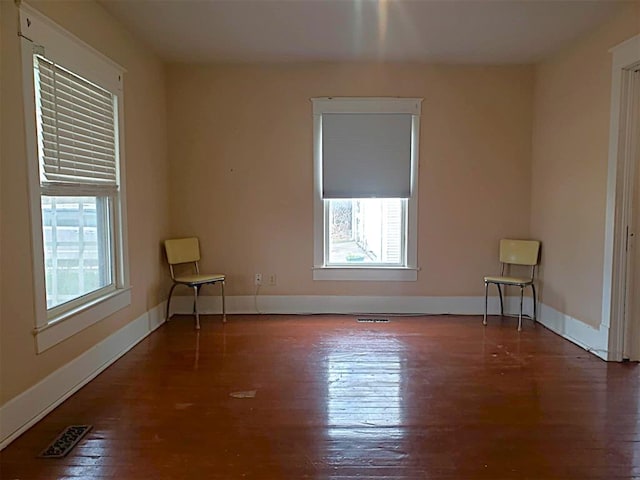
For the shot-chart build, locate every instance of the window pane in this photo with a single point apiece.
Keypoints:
(366, 231)
(77, 247)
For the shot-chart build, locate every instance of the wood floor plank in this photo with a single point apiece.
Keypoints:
(435, 397)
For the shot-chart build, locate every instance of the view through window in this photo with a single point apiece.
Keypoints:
(76, 247)
(366, 231)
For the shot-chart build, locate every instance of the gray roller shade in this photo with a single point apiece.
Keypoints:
(366, 155)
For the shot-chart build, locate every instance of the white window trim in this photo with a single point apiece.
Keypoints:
(61, 46)
(364, 105)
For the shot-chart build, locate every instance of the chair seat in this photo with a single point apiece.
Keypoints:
(198, 279)
(509, 280)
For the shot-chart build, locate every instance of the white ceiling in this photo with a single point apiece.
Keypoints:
(452, 31)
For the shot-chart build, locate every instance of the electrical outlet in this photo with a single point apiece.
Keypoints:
(272, 279)
(257, 279)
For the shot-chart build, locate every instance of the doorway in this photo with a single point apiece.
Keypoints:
(631, 330)
(621, 282)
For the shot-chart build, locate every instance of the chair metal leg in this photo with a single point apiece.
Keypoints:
(501, 301)
(535, 302)
(167, 317)
(486, 300)
(194, 303)
(195, 306)
(520, 316)
(224, 312)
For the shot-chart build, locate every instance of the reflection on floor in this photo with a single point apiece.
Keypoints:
(363, 398)
(326, 397)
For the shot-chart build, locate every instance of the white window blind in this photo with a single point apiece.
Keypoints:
(76, 128)
(366, 155)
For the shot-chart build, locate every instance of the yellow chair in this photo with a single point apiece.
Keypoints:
(514, 252)
(183, 251)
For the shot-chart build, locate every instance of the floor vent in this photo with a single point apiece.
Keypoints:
(65, 442)
(373, 320)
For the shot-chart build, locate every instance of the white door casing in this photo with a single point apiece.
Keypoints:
(623, 150)
(631, 347)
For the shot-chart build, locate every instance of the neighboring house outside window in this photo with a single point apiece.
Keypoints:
(73, 113)
(365, 188)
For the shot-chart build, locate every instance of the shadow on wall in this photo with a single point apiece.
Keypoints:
(164, 283)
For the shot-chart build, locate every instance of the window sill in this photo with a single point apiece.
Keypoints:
(72, 322)
(367, 274)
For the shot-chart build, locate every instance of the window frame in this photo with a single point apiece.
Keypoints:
(363, 272)
(40, 35)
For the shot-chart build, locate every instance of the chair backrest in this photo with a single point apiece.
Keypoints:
(519, 252)
(182, 250)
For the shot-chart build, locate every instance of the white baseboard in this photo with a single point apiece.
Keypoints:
(329, 304)
(22, 412)
(592, 339)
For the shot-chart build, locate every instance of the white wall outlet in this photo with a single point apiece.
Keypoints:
(257, 279)
(272, 279)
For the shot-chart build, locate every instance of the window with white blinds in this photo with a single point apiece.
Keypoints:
(74, 121)
(76, 128)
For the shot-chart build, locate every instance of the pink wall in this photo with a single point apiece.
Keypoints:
(569, 167)
(240, 149)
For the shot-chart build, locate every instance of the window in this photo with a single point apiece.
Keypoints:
(365, 178)
(73, 100)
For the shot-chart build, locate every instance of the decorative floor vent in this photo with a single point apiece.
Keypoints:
(65, 442)
(373, 320)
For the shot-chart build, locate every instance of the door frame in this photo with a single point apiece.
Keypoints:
(622, 154)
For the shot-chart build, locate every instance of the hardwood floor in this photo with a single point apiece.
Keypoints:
(416, 398)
